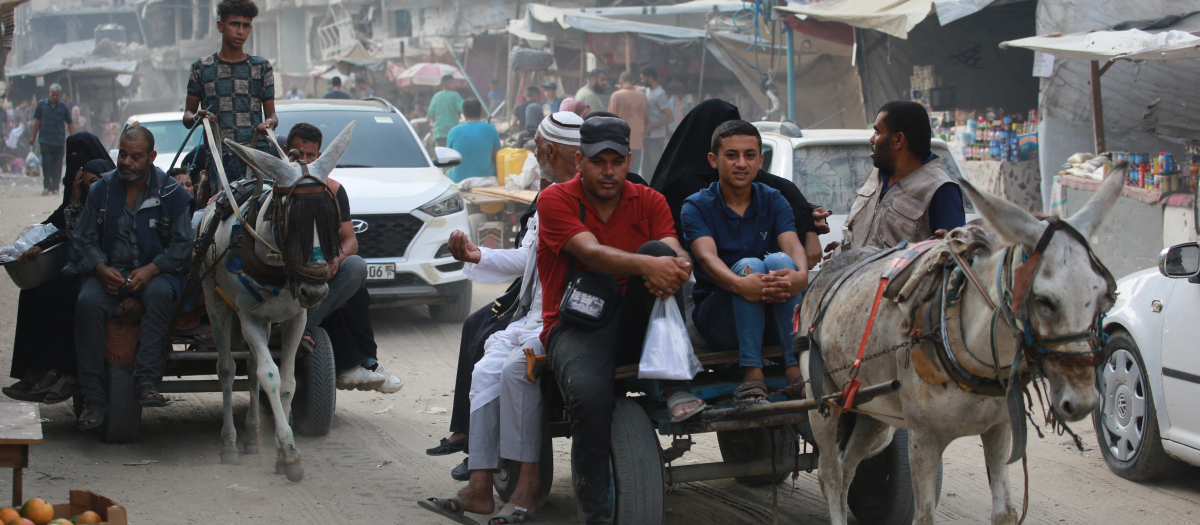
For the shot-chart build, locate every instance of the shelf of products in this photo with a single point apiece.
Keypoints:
(974, 135)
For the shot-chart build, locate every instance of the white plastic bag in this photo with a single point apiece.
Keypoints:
(667, 351)
(30, 236)
(528, 178)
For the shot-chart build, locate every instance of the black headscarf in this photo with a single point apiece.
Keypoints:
(81, 148)
(97, 166)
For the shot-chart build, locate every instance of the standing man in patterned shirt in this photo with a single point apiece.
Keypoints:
(233, 90)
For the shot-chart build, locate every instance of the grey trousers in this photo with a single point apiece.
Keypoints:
(92, 312)
(351, 274)
(52, 165)
(510, 426)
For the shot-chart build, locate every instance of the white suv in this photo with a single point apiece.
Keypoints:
(403, 207)
(169, 133)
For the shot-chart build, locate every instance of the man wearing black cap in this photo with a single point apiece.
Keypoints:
(599, 223)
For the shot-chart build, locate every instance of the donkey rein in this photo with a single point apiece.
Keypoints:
(237, 211)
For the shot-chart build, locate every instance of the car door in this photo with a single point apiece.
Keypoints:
(1181, 364)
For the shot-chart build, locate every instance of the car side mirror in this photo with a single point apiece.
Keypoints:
(446, 157)
(1181, 261)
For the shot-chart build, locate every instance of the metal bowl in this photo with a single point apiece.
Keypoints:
(45, 268)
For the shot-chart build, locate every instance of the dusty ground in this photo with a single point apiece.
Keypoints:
(372, 467)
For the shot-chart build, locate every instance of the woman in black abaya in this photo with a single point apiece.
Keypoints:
(44, 342)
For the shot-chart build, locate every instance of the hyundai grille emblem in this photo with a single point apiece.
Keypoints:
(359, 225)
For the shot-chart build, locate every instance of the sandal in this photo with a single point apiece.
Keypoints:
(751, 392)
(447, 447)
(92, 417)
(63, 390)
(23, 391)
(512, 514)
(148, 396)
(682, 398)
(448, 508)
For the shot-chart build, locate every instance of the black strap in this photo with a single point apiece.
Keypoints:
(571, 260)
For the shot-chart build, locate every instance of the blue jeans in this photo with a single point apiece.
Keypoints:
(727, 320)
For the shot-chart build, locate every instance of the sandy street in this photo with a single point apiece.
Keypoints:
(372, 467)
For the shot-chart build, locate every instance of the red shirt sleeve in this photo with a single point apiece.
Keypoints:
(559, 219)
(662, 225)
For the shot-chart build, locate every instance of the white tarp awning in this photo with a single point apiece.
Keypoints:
(591, 23)
(894, 17)
(1104, 46)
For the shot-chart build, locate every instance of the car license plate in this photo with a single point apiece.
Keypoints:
(381, 271)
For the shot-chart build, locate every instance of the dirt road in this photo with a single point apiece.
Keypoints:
(372, 467)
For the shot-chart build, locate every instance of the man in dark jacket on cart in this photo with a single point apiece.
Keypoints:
(134, 239)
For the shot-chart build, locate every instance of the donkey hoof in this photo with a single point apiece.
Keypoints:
(251, 450)
(229, 458)
(294, 471)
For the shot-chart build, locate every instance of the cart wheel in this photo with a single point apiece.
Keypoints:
(506, 477)
(316, 391)
(124, 412)
(881, 492)
(637, 467)
(455, 312)
(755, 443)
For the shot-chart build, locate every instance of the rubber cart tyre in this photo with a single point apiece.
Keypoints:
(1126, 422)
(505, 478)
(316, 390)
(755, 443)
(455, 312)
(637, 467)
(124, 412)
(881, 493)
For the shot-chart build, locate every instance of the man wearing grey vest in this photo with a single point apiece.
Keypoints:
(909, 196)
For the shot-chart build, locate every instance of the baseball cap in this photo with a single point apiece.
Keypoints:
(601, 133)
(550, 85)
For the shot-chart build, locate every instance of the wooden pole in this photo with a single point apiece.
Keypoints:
(628, 66)
(509, 98)
(583, 78)
(1097, 108)
(703, 54)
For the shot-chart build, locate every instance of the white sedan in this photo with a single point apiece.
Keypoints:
(1148, 422)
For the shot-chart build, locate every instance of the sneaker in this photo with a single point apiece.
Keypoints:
(360, 378)
(391, 385)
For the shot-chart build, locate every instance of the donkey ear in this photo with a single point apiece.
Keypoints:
(322, 167)
(284, 174)
(1005, 218)
(1089, 218)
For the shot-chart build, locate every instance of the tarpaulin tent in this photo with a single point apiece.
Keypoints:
(1108, 47)
(893, 17)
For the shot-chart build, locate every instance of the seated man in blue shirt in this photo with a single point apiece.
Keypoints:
(751, 267)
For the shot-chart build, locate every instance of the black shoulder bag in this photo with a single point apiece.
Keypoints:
(591, 298)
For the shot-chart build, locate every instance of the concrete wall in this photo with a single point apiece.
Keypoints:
(1131, 236)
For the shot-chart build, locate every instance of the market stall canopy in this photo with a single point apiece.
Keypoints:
(429, 74)
(72, 56)
(894, 17)
(543, 21)
(1103, 46)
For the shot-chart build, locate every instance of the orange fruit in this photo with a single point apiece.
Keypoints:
(37, 511)
(8, 514)
(88, 517)
(20, 521)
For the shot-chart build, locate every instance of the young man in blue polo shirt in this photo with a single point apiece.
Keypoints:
(751, 267)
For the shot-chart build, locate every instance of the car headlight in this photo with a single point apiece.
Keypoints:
(445, 204)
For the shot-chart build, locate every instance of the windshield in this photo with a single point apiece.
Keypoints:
(380, 140)
(831, 175)
(169, 134)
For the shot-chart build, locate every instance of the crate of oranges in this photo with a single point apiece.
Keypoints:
(85, 508)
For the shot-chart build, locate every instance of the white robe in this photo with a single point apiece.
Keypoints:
(495, 267)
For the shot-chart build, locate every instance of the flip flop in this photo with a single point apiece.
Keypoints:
(679, 398)
(447, 447)
(512, 514)
(445, 508)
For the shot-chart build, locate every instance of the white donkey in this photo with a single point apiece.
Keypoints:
(251, 284)
(1059, 290)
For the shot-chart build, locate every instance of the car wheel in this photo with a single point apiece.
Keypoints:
(1126, 422)
(455, 312)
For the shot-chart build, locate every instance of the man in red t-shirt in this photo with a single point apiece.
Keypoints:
(626, 232)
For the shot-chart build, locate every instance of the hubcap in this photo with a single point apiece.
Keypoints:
(1124, 412)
